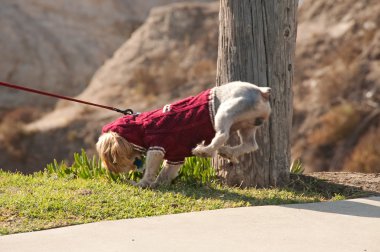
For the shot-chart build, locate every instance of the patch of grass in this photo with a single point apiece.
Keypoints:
(40, 201)
(85, 168)
(84, 192)
(195, 170)
(296, 167)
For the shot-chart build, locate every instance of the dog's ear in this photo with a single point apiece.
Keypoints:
(265, 92)
(114, 151)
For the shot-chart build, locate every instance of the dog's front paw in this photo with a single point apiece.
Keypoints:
(144, 184)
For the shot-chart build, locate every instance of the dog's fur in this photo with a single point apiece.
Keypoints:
(239, 107)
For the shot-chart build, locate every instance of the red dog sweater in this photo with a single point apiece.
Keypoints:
(175, 129)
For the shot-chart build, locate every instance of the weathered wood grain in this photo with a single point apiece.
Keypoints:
(257, 44)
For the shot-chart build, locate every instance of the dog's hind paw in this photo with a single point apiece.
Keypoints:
(202, 151)
(226, 153)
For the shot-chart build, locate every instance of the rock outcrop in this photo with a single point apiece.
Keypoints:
(58, 45)
(172, 55)
(337, 86)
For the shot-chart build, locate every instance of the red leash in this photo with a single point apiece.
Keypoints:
(31, 90)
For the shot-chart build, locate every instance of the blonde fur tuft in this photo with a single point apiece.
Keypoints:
(116, 153)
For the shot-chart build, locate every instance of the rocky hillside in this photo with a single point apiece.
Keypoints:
(168, 57)
(337, 86)
(173, 54)
(58, 45)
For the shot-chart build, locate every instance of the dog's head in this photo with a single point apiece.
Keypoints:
(116, 152)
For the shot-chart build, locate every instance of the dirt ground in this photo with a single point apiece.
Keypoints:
(332, 184)
(364, 181)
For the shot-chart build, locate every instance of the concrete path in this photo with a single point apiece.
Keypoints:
(352, 225)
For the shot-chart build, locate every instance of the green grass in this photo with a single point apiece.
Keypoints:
(84, 192)
(195, 171)
(39, 201)
(296, 167)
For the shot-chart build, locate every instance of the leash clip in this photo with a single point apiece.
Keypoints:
(125, 111)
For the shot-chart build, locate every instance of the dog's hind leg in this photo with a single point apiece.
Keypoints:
(223, 122)
(247, 144)
(220, 138)
(167, 174)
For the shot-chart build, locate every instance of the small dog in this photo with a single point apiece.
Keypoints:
(198, 125)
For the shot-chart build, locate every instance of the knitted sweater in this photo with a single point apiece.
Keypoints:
(174, 129)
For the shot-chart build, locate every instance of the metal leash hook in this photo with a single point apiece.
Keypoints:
(125, 111)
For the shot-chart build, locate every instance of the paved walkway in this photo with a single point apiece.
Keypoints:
(352, 225)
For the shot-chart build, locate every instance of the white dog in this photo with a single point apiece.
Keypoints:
(198, 125)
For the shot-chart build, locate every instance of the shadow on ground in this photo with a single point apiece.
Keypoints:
(301, 185)
(369, 207)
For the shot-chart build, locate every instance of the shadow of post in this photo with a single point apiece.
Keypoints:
(328, 189)
(299, 185)
(367, 207)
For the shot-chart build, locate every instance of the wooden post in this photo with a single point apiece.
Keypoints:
(257, 44)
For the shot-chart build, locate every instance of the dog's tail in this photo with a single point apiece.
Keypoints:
(265, 92)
